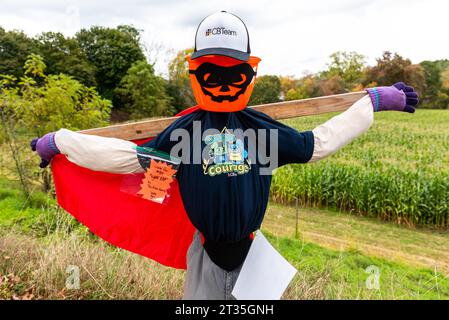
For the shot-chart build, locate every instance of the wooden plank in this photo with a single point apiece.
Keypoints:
(281, 110)
(309, 107)
(133, 130)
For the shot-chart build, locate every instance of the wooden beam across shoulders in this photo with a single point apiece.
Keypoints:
(280, 110)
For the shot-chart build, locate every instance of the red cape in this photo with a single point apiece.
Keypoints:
(162, 232)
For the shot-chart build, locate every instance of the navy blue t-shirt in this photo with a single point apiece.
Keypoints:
(223, 193)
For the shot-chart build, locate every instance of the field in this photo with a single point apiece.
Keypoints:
(397, 172)
(40, 244)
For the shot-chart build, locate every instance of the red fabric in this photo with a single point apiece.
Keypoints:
(187, 111)
(162, 232)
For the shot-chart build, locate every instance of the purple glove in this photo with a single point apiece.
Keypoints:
(46, 148)
(399, 97)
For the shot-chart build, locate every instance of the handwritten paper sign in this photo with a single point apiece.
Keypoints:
(156, 181)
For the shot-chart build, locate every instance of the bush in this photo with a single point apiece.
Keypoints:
(38, 103)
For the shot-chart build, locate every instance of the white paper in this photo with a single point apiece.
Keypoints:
(265, 274)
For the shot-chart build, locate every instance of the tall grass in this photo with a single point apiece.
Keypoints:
(398, 171)
(41, 268)
(33, 268)
(39, 242)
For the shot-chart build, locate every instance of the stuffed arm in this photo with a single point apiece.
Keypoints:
(89, 151)
(98, 153)
(342, 129)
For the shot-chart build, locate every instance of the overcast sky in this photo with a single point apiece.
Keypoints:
(291, 37)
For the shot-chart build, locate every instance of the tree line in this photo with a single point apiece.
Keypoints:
(348, 72)
(102, 74)
(112, 62)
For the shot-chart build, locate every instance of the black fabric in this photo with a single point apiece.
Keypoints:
(228, 206)
(227, 255)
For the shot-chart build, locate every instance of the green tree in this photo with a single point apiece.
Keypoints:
(142, 93)
(178, 85)
(347, 66)
(15, 46)
(64, 55)
(267, 89)
(436, 93)
(112, 51)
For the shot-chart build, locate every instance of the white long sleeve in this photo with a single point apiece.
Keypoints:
(340, 130)
(98, 153)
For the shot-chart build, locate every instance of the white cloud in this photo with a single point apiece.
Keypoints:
(289, 36)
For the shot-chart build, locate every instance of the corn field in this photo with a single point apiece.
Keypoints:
(397, 171)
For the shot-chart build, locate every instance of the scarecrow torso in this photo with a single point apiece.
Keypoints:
(222, 188)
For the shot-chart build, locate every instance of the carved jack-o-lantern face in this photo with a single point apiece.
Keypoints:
(222, 84)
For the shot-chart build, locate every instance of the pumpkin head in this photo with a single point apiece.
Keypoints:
(222, 84)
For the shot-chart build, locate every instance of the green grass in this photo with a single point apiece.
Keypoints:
(39, 265)
(38, 242)
(397, 171)
(343, 231)
(343, 274)
(38, 214)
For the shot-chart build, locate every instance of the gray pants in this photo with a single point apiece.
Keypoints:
(204, 279)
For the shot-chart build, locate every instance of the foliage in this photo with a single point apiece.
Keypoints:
(287, 83)
(306, 87)
(332, 85)
(112, 51)
(143, 93)
(42, 103)
(34, 66)
(64, 55)
(348, 67)
(15, 46)
(436, 94)
(38, 103)
(178, 85)
(347, 72)
(397, 171)
(267, 89)
(392, 68)
(98, 56)
(101, 56)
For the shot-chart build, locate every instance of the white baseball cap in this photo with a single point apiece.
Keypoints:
(224, 34)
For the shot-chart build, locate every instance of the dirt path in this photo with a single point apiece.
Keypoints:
(341, 231)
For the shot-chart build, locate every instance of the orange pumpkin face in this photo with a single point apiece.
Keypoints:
(222, 84)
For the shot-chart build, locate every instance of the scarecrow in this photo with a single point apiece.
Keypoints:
(192, 197)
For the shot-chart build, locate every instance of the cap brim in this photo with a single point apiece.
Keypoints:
(239, 55)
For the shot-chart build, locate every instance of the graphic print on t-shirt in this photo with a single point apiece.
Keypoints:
(226, 154)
